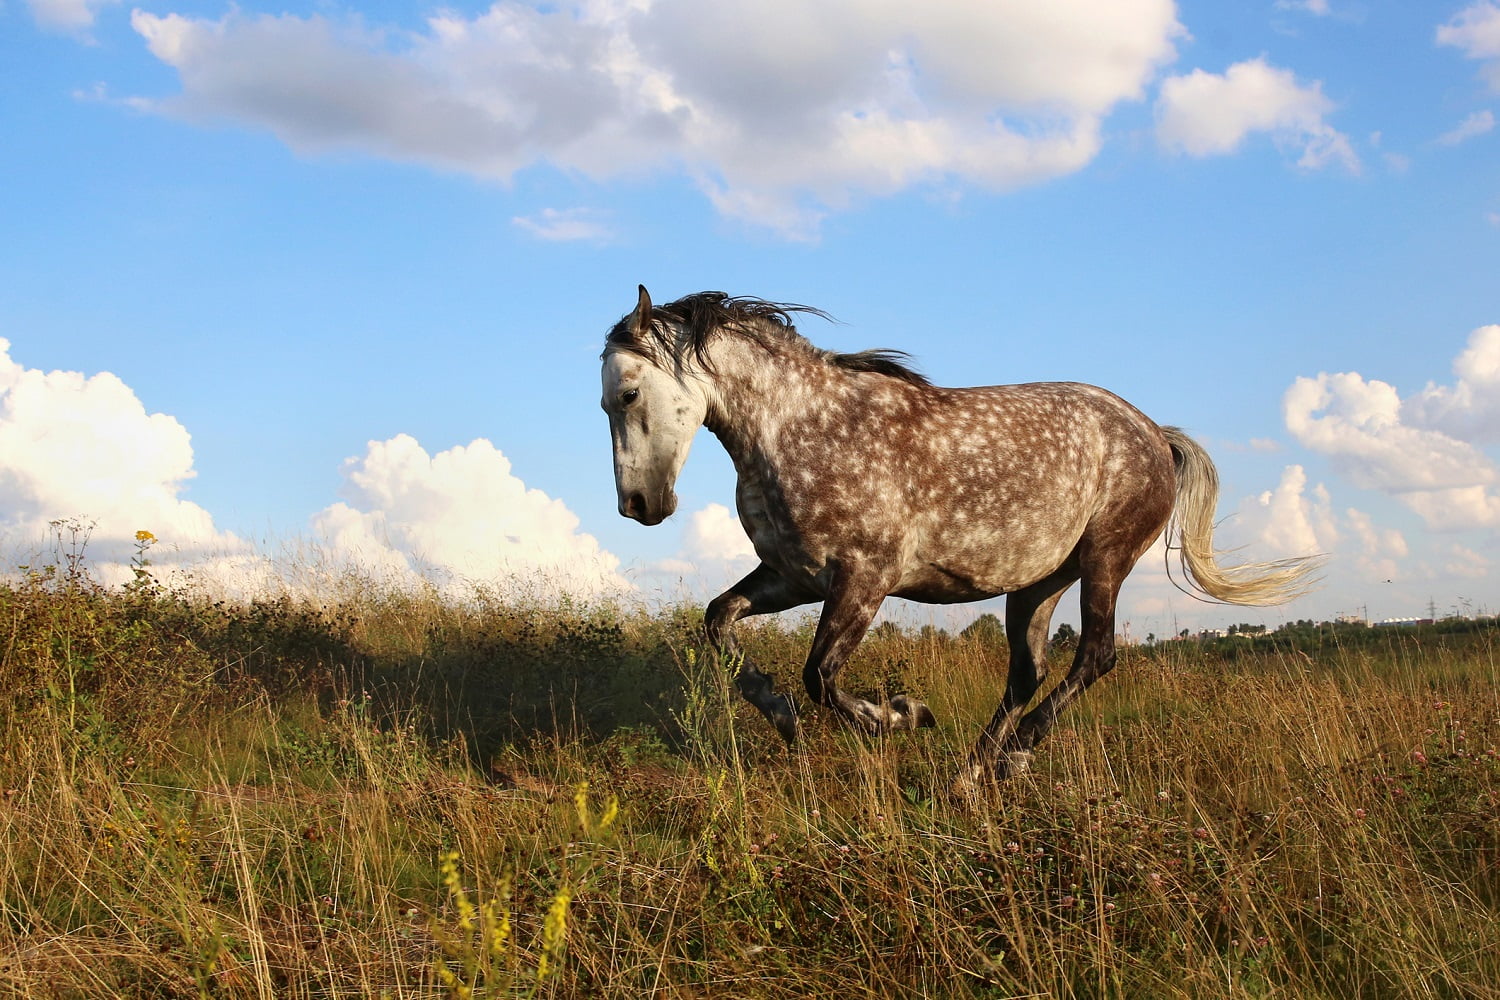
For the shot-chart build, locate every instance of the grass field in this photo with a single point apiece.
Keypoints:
(407, 795)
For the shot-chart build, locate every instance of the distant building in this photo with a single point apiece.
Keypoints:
(1388, 622)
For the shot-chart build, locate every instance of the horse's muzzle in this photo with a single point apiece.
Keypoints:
(638, 508)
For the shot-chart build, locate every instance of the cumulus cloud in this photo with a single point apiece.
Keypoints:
(1424, 450)
(1470, 407)
(459, 516)
(1457, 509)
(83, 448)
(715, 533)
(1357, 423)
(1475, 125)
(1210, 114)
(1475, 31)
(778, 109)
(1290, 520)
(74, 17)
(714, 552)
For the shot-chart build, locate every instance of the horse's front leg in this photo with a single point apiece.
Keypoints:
(848, 611)
(763, 592)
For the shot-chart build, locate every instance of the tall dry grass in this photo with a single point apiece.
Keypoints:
(402, 795)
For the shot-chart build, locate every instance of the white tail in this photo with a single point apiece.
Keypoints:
(1274, 582)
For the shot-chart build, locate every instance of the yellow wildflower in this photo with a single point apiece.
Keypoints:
(554, 932)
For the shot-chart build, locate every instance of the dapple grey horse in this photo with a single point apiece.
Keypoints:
(858, 479)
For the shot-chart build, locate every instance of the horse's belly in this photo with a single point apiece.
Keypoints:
(979, 567)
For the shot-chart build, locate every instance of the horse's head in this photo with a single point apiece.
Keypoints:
(654, 411)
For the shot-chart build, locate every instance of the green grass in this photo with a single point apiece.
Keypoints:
(410, 796)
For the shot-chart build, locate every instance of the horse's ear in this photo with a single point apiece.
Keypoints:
(642, 325)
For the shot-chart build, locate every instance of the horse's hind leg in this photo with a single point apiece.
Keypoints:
(1028, 618)
(848, 611)
(1103, 573)
(762, 592)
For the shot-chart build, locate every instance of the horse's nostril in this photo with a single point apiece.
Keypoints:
(635, 505)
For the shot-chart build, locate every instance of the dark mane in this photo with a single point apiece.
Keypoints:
(703, 315)
(881, 361)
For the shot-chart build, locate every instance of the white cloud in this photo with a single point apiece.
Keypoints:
(74, 17)
(1456, 509)
(1290, 520)
(1470, 408)
(714, 552)
(459, 516)
(780, 110)
(84, 467)
(1476, 124)
(1476, 31)
(83, 448)
(1207, 114)
(715, 533)
(566, 225)
(1423, 451)
(1357, 423)
(82, 453)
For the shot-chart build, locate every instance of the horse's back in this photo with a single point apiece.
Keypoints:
(1004, 481)
(1032, 432)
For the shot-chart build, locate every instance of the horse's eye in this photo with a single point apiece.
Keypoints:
(630, 396)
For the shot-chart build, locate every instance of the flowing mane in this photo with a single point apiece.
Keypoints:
(690, 324)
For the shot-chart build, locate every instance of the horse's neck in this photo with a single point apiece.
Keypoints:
(756, 392)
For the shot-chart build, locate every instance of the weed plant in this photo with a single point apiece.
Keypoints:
(400, 794)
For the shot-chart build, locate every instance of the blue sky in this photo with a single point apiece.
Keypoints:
(334, 274)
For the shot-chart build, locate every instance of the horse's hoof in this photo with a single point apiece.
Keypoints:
(1015, 762)
(912, 713)
(971, 784)
(783, 715)
(975, 776)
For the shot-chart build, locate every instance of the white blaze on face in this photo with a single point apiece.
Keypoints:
(652, 419)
